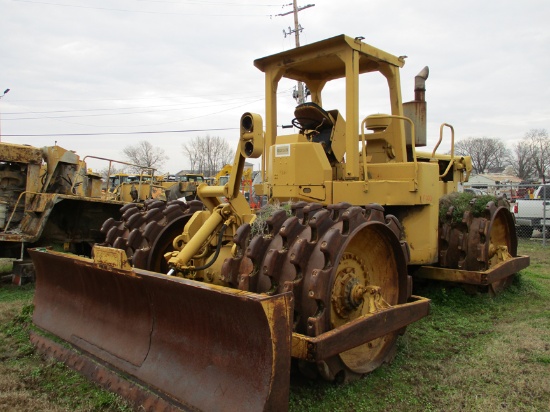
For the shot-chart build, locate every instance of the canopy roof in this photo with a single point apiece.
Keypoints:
(323, 60)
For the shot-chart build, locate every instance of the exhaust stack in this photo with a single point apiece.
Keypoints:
(420, 85)
(416, 110)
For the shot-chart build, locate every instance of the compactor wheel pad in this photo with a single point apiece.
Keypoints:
(341, 262)
(146, 234)
(478, 243)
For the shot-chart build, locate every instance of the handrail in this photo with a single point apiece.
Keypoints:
(451, 161)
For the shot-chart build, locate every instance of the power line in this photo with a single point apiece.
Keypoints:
(209, 3)
(59, 118)
(122, 133)
(209, 105)
(239, 100)
(194, 105)
(110, 99)
(143, 11)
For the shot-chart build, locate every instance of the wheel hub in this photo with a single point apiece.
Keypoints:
(349, 287)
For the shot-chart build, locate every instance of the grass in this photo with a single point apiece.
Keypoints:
(6, 265)
(473, 353)
(462, 202)
(30, 383)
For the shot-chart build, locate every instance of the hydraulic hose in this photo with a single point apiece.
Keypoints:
(218, 249)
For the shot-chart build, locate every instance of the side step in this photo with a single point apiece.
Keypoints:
(207, 347)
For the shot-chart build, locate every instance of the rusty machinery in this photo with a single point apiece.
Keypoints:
(48, 197)
(206, 304)
(182, 186)
(137, 188)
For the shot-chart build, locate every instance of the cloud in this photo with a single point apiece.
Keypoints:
(98, 66)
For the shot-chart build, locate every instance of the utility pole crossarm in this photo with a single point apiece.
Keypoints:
(297, 10)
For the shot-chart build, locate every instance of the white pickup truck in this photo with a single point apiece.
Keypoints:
(531, 214)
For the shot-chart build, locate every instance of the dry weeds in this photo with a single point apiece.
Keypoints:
(15, 393)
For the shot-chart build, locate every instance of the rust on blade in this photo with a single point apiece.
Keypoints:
(98, 310)
(208, 347)
(133, 392)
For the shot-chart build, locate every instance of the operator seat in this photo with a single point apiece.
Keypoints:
(316, 123)
(311, 116)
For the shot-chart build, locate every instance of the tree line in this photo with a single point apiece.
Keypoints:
(528, 159)
(206, 155)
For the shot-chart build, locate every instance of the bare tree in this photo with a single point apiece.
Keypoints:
(486, 153)
(538, 149)
(207, 154)
(522, 162)
(193, 152)
(145, 154)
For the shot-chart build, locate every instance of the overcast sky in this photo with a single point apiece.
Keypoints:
(184, 68)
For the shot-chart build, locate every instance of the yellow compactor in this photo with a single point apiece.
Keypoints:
(207, 304)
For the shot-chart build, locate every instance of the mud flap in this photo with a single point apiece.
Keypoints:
(201, 346)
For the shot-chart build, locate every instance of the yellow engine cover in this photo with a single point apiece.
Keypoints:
(300, 170)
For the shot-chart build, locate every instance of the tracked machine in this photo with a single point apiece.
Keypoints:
(207, 304)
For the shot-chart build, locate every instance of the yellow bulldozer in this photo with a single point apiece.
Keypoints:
(182, 186)
(134, 188)
(205, 305)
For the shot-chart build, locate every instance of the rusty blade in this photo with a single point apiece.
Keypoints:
(207, 347)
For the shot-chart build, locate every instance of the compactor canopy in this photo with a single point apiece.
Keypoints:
(317, 64)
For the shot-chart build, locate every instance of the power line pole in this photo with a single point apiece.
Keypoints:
(299, 94)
